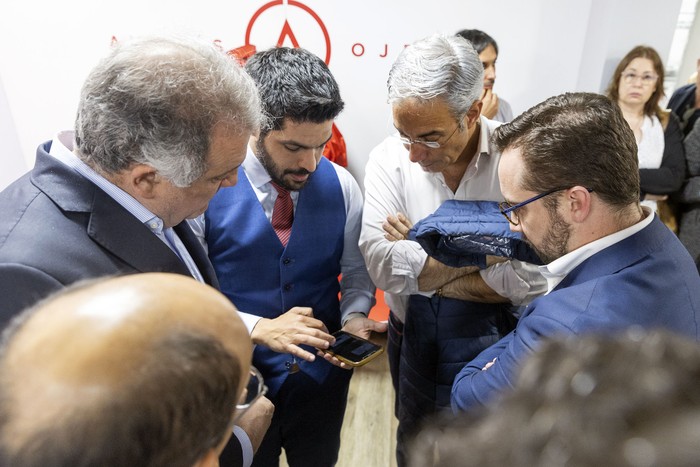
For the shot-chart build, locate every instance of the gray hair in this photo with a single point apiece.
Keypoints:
(438, 66)
(156, 101)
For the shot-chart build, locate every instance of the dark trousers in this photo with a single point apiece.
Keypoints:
(393, 352)
(307, 421)
(440, 336)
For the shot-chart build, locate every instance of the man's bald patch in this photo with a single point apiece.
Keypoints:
(119, 317)
(85, 347)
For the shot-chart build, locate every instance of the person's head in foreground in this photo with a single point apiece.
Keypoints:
(585, 401)
(144, 369)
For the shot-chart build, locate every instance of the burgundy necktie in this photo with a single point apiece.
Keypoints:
(282, 214)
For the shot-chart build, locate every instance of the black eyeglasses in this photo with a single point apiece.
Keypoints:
(254, 390)
(509, 210)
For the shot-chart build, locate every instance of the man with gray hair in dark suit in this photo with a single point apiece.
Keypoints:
(162, 125)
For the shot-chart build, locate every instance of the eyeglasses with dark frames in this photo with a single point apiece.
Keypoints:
(254, 390)
(428, 144)
(509, 211)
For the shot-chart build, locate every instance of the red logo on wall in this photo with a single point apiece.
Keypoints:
(298, 25)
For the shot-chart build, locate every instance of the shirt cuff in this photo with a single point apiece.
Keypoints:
(351, 315)
(249, 320)
(359, 304)
(407, 261)
(246, 445)
(515, 280)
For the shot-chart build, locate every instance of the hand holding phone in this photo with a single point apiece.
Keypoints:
(353, 350)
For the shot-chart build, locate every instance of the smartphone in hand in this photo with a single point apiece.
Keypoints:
(353, 350)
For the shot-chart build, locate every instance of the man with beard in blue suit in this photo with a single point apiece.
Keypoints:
(570, 177)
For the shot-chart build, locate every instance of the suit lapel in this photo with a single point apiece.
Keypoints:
(111, 225)
(191, 242)
(118, 231)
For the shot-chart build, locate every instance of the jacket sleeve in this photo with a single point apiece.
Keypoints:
(22, 286)
(232, 455)
(691, 190)
(473, 386)
(669, 177)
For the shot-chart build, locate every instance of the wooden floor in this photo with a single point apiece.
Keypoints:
(368, 438)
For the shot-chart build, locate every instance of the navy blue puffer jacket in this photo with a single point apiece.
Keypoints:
(463, 233)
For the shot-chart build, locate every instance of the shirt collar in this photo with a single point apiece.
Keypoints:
(254, 170)
(62, 150)
(259, 177)
(484, 136)
(558, 269)
(483, 151)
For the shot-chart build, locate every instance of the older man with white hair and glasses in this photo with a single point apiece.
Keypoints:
(441, 317)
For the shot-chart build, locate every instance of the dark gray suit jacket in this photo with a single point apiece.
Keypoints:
(57, 227)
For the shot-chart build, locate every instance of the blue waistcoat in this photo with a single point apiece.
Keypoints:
(261, 277)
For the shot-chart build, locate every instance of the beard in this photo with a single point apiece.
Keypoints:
(276, 173)
(555, 241)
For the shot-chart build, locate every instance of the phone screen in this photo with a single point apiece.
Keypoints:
(353, 349)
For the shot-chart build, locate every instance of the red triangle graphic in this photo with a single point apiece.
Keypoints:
(287, 32)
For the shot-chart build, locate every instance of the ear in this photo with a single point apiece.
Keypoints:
(473, 113)
(141, 181)
(578, 201)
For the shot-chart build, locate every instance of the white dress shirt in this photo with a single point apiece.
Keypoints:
(394, 184)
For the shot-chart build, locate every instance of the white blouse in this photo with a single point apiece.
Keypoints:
(650, 148)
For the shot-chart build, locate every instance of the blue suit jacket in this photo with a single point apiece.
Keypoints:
(647, 279)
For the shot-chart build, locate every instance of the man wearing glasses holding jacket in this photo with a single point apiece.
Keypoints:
(570, 177)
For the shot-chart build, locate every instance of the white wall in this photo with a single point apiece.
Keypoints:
(12, 164)
(547, 47)
(692, 51)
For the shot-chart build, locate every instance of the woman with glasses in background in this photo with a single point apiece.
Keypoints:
(637, 87)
